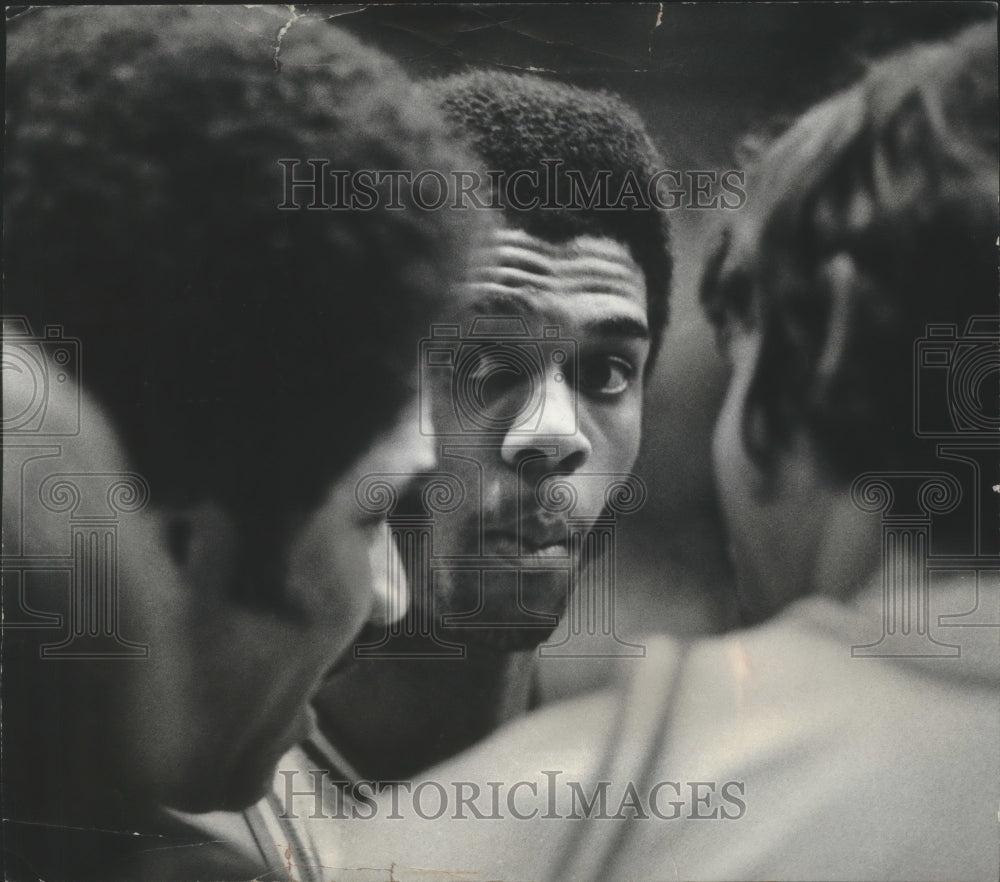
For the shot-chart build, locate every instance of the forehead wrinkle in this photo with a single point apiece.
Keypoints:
(588, 282)
(517, 257)
(603, 246)
(582, 244)
(607, 255)
(513, 278)
(583, 274)
(515, 237)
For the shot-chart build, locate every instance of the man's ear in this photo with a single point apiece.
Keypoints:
(202, 540)
(846, 287)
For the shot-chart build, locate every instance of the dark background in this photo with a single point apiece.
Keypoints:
(709, 79)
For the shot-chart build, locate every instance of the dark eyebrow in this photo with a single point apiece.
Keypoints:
(505, 304)
(618, 326)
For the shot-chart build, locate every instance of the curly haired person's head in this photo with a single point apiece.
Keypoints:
(519, 123)
(872, 217)
(246, 363)
(142, 187)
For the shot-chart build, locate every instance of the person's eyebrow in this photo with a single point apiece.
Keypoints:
(503, 303)
(617, 326)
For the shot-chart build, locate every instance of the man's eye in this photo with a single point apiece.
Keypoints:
(605, 375)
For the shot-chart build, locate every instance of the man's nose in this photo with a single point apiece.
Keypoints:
(390, 586)
(556, 435)
(420, 446)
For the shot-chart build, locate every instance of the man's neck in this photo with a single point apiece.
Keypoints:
(393, 718)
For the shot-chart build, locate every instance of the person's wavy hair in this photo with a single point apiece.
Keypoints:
(874, 215)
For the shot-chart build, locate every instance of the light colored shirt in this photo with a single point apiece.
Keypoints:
(767, 753)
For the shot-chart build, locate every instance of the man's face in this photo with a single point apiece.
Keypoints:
(544, 380)
(229, 685)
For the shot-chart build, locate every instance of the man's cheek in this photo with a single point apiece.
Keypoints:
(623, 432)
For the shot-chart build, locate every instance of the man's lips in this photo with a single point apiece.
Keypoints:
(511, 543)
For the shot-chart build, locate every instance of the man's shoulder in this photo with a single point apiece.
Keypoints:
(563, 734)
(787, 731)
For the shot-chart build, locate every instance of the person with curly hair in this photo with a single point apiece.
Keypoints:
(239, 368)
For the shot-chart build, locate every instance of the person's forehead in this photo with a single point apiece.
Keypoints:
(585, 277)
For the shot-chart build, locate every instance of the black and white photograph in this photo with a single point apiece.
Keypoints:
(501, 442)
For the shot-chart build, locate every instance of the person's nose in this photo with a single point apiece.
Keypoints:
(390, 586)
(420, 445)
(557, 438)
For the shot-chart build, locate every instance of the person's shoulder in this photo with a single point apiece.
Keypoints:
(561, 735)
(788, 730)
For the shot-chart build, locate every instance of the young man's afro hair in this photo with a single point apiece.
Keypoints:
(518, 122)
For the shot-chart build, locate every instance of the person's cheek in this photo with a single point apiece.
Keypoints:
(624, 433)
(354, 576)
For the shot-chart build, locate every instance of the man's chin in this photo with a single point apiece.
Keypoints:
(498, 638)
(493, 637)
(234, 786)
(230, 796)
(510, 629)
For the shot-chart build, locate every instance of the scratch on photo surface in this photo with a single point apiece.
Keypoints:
(655, 28)
(7, 820)
(293, 16)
